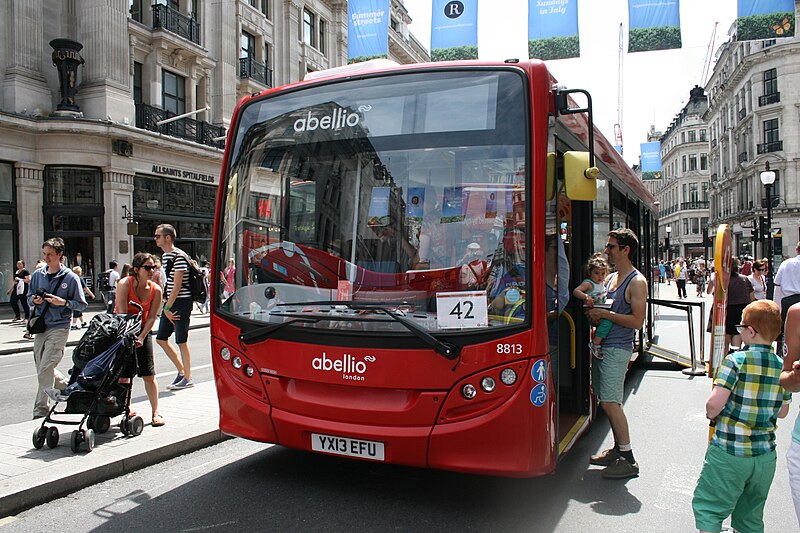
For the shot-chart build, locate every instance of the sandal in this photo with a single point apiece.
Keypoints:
(158, 421)
(28, 336)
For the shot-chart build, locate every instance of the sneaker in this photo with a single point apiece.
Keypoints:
(596, 350)
(175, 381)
(182, 384)
(621, 469)
(84, 325)
(605, 458)
(74, 327)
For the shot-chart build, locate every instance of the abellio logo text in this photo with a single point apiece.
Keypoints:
(349, 366)
(335, 121)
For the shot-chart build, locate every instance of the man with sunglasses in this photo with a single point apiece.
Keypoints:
(627, 288)
(177, 306)
(787, 285)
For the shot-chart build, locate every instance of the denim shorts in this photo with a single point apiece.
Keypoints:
(183, 307)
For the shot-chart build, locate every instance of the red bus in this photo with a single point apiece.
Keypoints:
(406, 239)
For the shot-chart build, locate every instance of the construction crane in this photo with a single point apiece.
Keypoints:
(618, 125)
(707, 62)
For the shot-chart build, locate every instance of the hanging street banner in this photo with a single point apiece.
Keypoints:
(454, 30)
(367, 30)
(553, 29)
(764, 19)
(653, 25)
(651, 160)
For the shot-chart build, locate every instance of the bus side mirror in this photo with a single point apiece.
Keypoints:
(550, 184)
(580, 178)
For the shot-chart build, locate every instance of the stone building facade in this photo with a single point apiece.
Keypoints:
(754, 93)
(85, 175)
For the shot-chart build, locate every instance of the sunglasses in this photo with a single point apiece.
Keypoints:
(157, 235)
(739, 328)
(148, 267)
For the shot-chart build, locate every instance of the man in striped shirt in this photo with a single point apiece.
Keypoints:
(177, 306)
(746, 402)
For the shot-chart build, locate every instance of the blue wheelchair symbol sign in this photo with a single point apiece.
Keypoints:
(539, 371)
(539, 395)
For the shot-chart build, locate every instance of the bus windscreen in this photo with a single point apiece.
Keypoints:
(405, 192)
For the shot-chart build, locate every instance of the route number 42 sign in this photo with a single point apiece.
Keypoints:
(461, 310)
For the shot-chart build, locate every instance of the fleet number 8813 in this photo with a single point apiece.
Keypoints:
(514, 349)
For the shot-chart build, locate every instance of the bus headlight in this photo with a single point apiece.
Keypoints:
(508, 376)
(237, 361)
(225, 353)
(469, 391)
(248, 370)
(488, 384)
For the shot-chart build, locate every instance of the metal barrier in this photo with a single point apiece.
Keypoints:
(693, 369)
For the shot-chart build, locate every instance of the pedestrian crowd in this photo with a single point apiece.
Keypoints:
(52, 298)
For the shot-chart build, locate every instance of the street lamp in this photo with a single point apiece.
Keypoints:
(668, 229)
(768, 178)
(706, 242)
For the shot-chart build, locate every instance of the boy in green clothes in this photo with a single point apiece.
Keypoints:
(746, 402)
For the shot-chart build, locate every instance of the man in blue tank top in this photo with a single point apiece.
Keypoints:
(628, 289)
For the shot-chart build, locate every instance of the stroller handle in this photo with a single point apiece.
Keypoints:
(136, 305)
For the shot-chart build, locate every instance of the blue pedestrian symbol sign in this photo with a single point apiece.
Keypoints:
(539, 395)
(539, 371)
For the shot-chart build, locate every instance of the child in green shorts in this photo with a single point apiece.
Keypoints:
(746, 402)
(592, 291)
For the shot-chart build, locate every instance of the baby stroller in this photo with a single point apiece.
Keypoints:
(94, 390)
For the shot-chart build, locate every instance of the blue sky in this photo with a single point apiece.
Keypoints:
(655, 84)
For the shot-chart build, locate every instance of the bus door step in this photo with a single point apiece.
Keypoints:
(665, 353)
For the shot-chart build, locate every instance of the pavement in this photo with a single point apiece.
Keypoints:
(31, 477)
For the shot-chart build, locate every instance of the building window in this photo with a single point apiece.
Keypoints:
(137, 83)
(685, 196)
(309, 28)
(393, 23)
(683, 163)
(683, 137)
(321, 44)
(770, 81)
(692, 136)
(693, 162)
(771, 134)
(695, 226)
(693, 193)
(703, 161)
(173, 92)
(702, 135)
(265, 8)
(705, 191)
(685, 226)
(72, 186)
(247, 48)
(136, 10)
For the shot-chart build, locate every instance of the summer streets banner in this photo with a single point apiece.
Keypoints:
(454, 30)
(764, 19)
(651, 160)
(653, 25)
(553, 29)
(367, 30)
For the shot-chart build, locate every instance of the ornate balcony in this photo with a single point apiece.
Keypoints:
(176, 22)
(775, 146)
(250, 68)
(772, 98)
(198, 131)
(699, 204)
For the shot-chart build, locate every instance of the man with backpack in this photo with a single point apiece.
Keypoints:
(177, 306)
(107, 283)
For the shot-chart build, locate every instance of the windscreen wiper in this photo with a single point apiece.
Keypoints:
(262, 332)
(448, 350)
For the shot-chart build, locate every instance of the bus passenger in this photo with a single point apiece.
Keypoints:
(746, 402)
(628, 288)
(506, 283)
(593, 291)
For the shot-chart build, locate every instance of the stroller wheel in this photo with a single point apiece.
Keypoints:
(39, 436)
(90, 421)
(52, 437)
(88, 436)
(137, 425)
(75, 441)
(124, 426)
(101, 424)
